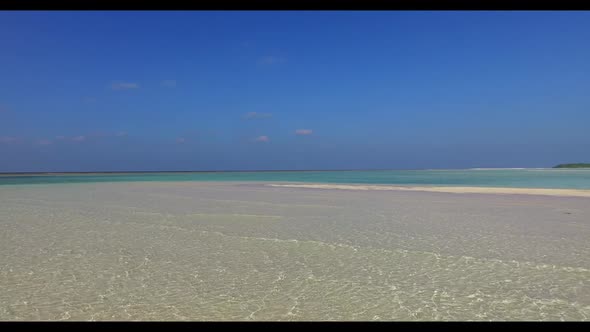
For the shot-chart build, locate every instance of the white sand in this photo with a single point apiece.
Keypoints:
(457, 190)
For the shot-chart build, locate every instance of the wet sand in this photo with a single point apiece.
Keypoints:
(251, 251)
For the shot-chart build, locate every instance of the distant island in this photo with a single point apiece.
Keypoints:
(578, 165)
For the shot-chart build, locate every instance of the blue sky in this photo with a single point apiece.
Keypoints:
(92, 91)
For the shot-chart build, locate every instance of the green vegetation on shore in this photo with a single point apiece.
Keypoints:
(578, 165)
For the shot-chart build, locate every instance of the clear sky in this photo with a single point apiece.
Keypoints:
(107, 91)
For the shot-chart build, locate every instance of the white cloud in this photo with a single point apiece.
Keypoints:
(169, 83)
(303, 132)
(262, 139)
(124, 85)
(96, 134)
(256, 115)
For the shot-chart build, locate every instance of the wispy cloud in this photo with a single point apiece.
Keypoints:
(181, 140)
(124, 85)
(257, 115)
(8, 140)
(168, 83)
(44, 142)
(303, 132)
(262, 139)
(270, 60)
(92, 135)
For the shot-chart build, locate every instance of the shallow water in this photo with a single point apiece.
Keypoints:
(511, 178)
(246, 251)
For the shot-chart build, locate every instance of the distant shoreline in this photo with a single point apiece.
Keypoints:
(574, 165)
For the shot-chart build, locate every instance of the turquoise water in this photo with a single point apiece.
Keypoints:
(515, 178)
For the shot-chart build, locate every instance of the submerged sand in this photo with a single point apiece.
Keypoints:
(250, 251)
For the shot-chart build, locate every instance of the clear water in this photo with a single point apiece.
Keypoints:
(512, 178)
(218, 251)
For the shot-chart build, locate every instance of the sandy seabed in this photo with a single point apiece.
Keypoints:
(253, 251)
